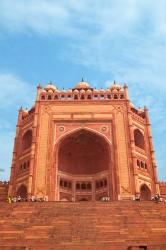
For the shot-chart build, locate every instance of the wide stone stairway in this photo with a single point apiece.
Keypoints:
(117, 225)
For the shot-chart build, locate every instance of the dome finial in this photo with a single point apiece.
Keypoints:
(114, 82)
(20, 109)
(39, 86)
(82, 79)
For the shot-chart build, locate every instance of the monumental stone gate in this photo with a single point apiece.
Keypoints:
(83, 144)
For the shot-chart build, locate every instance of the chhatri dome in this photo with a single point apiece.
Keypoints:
(50, 86)
(115, 86)
(82, 85)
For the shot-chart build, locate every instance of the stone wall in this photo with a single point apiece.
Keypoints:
(4, 185)
(162, 186)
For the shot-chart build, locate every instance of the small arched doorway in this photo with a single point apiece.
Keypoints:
(84, 162)
(145, 193)
(22, 191)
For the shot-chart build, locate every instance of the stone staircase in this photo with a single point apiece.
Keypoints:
(117, 225)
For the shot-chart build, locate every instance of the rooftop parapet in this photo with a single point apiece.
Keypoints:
(82, 91)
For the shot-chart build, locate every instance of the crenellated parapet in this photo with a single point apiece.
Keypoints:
(82, 91)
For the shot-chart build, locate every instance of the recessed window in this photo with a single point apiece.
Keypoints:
(78, 186)
(42, 97)
(56, 97)
(97, 184)
(24, 165)
(139, 139)
(89, 186)
(83, 186)
(65, 183)
(27, 140)
(105, 183)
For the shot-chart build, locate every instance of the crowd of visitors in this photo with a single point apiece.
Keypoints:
(33, 198)
(105, 198)
(156, 198)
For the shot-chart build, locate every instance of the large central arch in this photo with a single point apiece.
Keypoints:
(84, 166)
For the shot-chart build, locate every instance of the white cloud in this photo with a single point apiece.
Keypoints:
(15, 92)
(7, 141)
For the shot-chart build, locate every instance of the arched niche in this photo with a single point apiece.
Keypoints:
(27, 140)
(83, 153)
(22, 191)
(145, 193)
(139, 139)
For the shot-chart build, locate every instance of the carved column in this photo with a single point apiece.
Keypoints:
(152, 155)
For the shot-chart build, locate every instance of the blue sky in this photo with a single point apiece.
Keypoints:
(63, 41)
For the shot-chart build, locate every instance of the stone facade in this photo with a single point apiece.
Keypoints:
(4, 186)
(162, 186)
(83, 144)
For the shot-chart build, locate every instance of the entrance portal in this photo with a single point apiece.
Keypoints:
(145, 193)
(22, 191)
(83, 166)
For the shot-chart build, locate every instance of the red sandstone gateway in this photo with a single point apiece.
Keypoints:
(83, 144)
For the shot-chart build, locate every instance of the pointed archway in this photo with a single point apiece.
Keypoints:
(84, 165)
(145, 193)
(22, 191)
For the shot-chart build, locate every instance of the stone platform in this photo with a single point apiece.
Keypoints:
(117, 225)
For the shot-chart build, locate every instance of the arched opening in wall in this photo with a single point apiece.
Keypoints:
(27, 140)
(22, 191)
(83, 157)
(145, 193)
(139, 139)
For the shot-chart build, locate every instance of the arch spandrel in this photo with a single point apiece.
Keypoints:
(75, 130)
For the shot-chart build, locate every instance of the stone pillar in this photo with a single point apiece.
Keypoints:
(152, 155)
(126, 94)
(93, 191)
(74, 191)
(31, 177)
(123, 161)
(132, 146)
